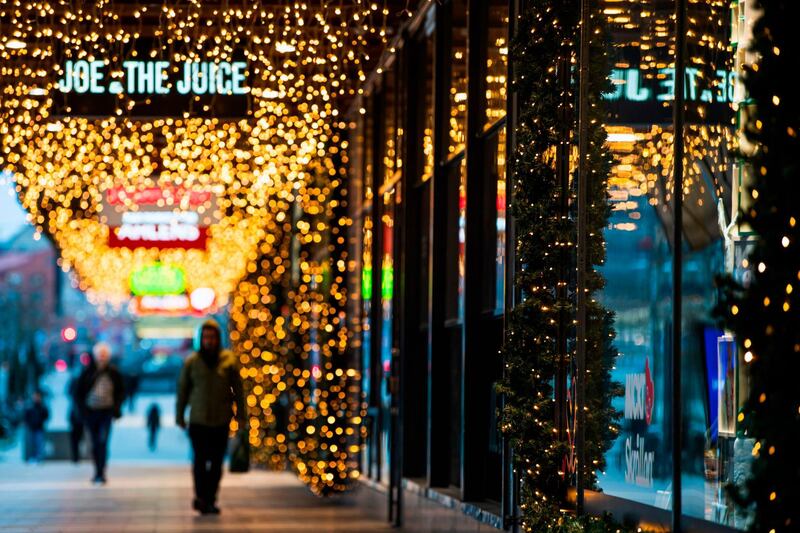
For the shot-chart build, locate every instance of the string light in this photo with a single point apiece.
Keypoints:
(274, 250)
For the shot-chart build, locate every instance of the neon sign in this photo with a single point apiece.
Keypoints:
(155, 78)
(158, 280)
(631, 86)
(159, 218)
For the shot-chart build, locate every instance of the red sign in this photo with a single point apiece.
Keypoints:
(158, 236)
(175, 196)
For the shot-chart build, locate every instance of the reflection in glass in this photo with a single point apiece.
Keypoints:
(387, 301)
(427, 133)
(496, 61)
(454, 257)
(462, 229)
(712, 450)
(638, 290)
(639, 266)
(390, 155)
(458, 79)
(500, 253)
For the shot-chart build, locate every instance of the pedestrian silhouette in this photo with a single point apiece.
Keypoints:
(99, 396)
(75, 422)
(209, 384)
(153, 425)
(35, 417)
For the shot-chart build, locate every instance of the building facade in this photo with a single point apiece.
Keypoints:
(432, 243)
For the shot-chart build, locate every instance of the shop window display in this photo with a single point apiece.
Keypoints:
(640, 256)
(500, 221)
(496, 61)
(458, 78)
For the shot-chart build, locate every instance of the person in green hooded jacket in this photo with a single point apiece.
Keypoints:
(210, 384)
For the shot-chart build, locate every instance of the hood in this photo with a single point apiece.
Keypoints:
(198, 333)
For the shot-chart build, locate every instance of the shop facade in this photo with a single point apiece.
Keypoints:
(431, 244)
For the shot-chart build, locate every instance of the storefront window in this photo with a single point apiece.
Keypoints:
(367, 268)
(390, 154)
(639, 266)
(387, 196)
(500, 223)
(458, 78)
(638, 290)
(456, 240)
(711, 449)
(428, 119)
(387, 301)
(640, 248)
(496, 61)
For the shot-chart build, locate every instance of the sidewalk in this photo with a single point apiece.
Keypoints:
(58, 497)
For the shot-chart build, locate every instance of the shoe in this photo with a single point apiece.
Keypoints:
(99, 480)
(212, 509)
(199, 505)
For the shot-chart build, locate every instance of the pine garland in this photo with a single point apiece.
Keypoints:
(547, 40)
(764, 314)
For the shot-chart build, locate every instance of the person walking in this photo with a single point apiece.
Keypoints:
(75, 422)
(35, 417)
(99, 396)
(210, 385)
(153, 425)
(75, 434)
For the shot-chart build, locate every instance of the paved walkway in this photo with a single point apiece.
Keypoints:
(139, 498)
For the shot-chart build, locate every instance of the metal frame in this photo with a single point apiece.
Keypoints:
(677, 265)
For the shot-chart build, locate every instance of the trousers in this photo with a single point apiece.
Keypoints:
(208, 446)
(98, 422)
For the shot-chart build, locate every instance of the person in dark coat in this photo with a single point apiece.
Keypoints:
(210, 385)
(75, 422)
(35, 417)
(99, 395)
(153, 425)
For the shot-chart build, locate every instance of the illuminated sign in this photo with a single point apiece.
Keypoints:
(366, 281)
(638, 98)
(144, 81)
(639, 401)
(155, 78)
(200, 302)
(158, 280)
(630, 85)
(159, 218)
(161, 229)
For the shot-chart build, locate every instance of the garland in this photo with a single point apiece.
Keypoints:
(546, 41)
(764, 313)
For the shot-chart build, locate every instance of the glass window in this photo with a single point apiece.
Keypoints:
(386, 196)
(387, 304)
(428, 101)
(710, 384)
(390, 154)
(496, 61)
(456, 239)
(458, 78)
(639, 266)
(367, 269)
(500, 222)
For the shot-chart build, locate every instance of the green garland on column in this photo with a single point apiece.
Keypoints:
(548, 32)
(765, 314)
(602, 427)
(531, 349)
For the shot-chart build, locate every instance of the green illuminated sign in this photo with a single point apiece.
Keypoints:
(366, 282)
(158, 280)
(387, 280)
(630, 85)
